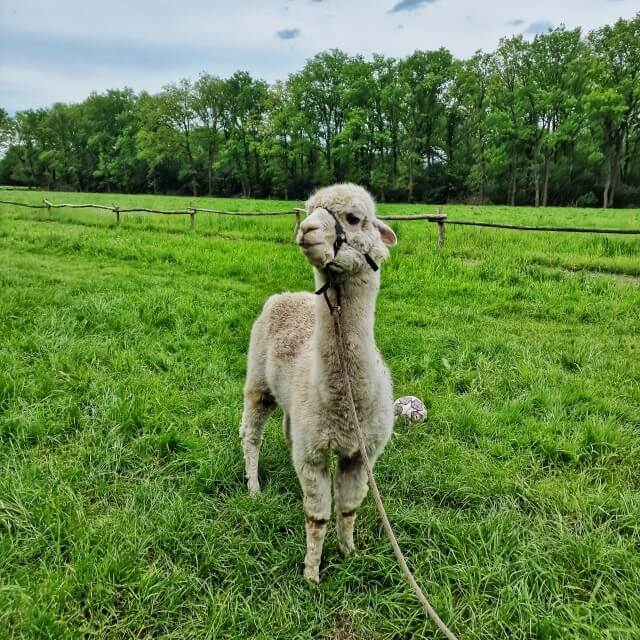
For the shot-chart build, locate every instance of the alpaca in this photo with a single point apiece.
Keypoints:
(292, 362)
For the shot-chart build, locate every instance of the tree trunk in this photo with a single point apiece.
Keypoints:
(210, 171)
(512, 185)
(615, 172)
(258, 172)
(394, 155)
(32, 178)
(410, 182)
(483, 175)
(545, 183)
(607, 184)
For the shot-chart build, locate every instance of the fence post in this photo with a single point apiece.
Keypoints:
(116, 208)
(48, 205)
(192, 215)
(441, 227)
(295, 229)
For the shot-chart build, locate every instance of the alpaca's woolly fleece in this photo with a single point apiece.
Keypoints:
(293, 362)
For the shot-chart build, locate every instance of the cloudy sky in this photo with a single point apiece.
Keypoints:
(64, 49)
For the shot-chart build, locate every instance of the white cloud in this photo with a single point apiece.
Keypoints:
(60, 50)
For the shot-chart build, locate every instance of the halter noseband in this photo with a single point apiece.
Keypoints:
(341, 238)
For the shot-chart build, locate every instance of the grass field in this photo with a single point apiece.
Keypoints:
(123, 511)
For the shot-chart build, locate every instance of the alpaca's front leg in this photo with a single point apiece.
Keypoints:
(350, 489)
(316, 487)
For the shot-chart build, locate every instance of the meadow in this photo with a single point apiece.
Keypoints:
(123, 508)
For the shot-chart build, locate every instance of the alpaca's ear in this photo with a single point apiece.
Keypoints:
(386, 233)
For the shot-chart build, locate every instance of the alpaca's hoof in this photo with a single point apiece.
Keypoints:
(346, 548)
(254, 487)
(312, 574)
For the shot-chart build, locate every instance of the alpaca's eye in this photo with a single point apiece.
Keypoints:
(351, 219)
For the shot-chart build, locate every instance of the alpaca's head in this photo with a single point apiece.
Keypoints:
(355, 209)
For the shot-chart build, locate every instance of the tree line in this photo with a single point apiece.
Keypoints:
(552, 120)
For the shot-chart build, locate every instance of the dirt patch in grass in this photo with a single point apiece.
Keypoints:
(619, 278)
(471, 263)
(468, 261)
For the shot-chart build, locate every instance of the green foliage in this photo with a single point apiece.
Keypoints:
(6, 129)
(123, 510)
(555, 119)
(615, 98)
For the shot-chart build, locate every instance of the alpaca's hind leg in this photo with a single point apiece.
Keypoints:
(350, 489)
(258, 406)
(316, 487)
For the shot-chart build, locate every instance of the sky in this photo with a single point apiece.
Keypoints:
(61, 50)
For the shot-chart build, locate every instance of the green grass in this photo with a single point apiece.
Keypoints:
(123, 511)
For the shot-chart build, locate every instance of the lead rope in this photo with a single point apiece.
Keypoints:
(430, 611)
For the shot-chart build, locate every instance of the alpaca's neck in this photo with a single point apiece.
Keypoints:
(357, 310)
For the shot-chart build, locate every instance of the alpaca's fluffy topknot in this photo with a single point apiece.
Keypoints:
(343, 198)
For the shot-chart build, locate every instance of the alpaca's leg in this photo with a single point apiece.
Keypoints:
(258, 406)
(286, 428)
(350, 489)
(316, 487)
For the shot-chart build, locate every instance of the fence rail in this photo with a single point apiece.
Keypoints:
(440, 218)
(497, 225)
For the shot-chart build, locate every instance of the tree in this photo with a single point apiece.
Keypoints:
(552, 120)
(511, 110)
(323, 80)
(7, 130)
(560, 61)
(107, 117)
(66, 155)
(244, 120)
(614, 101)
(158, 145)
(425, 74)
(29, 138)
(209, 107)
(472, 85)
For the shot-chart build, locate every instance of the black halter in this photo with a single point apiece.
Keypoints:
(341, 238)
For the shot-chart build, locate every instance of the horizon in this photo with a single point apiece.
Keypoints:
(51, 58)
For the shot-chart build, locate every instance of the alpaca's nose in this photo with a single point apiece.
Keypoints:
(306, 236)
(308, 226)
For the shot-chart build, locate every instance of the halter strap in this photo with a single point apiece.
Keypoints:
(323, 290)
(341, 238)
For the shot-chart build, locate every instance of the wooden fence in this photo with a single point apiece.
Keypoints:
(440, 218)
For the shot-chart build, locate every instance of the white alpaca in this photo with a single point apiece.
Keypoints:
(293, 362)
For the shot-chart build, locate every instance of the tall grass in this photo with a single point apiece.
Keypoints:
(123, 511)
